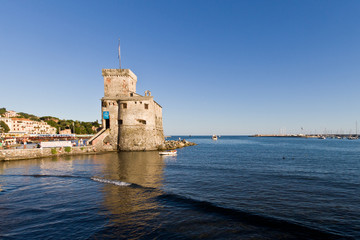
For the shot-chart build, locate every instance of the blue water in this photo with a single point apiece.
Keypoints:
(233, 188)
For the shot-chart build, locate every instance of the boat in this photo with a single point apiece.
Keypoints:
(172, 152)
(214, 137)
(353, 137)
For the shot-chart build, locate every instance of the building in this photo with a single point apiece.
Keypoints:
(10, 114)
(131, 122)
(65, 131)
(26, 126)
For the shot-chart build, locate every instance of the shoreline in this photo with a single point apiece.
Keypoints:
(25, 154)
(33, 153)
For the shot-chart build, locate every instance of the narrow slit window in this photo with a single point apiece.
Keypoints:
(124, 105)
(141, 121)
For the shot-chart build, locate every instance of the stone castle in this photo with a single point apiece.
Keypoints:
(131, 122)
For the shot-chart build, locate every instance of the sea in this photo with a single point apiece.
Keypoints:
(237, 187)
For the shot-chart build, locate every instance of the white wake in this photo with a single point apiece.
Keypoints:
(118, 183)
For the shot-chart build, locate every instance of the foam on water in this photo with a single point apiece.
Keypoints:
(118, 183)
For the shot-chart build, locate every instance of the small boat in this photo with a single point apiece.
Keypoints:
(214, 137)
(172, 152)
(353, 137)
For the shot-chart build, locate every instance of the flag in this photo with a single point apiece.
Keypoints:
(119, 56)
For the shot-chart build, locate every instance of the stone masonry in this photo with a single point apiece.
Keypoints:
(132, 122)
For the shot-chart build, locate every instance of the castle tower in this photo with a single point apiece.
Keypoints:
(132, 122)
(118, 82)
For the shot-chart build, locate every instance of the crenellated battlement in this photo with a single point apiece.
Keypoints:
(119, 73)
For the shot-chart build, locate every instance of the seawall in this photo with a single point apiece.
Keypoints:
(20, 154)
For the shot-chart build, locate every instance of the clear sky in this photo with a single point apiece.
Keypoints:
(216, 67)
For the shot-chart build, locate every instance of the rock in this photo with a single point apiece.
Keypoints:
(172, 144)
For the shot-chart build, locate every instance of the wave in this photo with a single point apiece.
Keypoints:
(115, 182)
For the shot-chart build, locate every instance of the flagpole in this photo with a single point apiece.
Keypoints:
(119, 55)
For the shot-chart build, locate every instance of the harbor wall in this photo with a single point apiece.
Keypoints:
(19, 154)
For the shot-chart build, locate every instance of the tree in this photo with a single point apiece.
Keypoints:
(4, 127)
(29, 116)
(2, 111)
(47, 118)
(52, 123)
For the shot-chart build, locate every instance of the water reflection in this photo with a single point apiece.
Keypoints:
(142, 168)
(67, 185)
(132, 207)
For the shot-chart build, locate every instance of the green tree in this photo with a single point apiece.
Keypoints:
(2, 111)
(29, 116)
(47, 118)
(4, 127)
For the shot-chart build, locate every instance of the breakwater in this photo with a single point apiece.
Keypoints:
(338, 136)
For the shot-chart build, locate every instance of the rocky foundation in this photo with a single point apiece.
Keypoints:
(174, 144)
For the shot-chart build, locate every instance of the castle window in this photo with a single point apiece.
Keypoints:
(131, 94)
(146, 106)
(124, 105)
(141, 121)
(104, 104)
(120, 122)
(135, 102)
(140, 102)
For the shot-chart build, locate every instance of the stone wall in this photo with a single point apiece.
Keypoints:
(141, 125)
(139, 138)
(118, 82)
(104, 142)
(18, 154)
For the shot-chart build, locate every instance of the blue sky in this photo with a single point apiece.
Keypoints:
(216, 67)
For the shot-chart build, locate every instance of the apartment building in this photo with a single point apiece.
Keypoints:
(22, 125)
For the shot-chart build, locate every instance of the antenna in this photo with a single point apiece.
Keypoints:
(119, 56)
(356, 127)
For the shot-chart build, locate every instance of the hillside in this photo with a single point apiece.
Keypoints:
(60, 124)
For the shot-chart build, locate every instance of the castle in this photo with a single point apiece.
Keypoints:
(131, 122)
